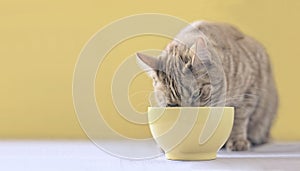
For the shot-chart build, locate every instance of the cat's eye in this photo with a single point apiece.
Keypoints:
(196, 94)
(172, 105)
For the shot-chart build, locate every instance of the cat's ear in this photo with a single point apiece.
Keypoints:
(147, 63)
(200, 44)
(202, 55)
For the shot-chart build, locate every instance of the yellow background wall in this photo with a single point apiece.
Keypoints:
(41, 40)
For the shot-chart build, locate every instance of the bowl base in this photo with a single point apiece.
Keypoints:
(191, 156)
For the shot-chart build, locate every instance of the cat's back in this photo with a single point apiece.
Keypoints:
(243, 58)
(219, 34)
(229, 42)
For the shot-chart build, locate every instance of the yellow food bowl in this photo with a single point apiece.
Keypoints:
(190, 133)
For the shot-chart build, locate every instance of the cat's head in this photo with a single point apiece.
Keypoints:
(179, 76)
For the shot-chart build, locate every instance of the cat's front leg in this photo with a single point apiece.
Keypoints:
(238, 138)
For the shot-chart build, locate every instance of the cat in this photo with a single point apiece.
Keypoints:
(189, 72)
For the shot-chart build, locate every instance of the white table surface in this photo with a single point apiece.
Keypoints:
(84, 155)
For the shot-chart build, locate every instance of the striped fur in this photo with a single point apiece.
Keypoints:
(182, 77)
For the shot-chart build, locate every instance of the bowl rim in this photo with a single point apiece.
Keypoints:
(170, 108)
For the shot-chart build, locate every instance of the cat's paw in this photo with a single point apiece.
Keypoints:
(239, 144)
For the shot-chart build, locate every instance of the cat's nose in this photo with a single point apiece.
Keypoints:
(172, 105)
